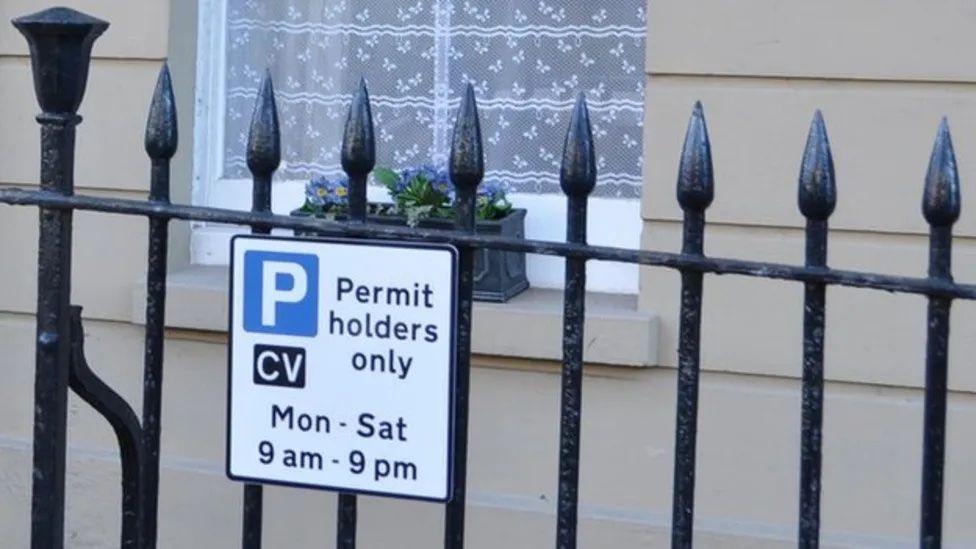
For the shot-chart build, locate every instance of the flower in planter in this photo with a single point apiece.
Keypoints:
(418, 193)
(426, 191)
(325, 196)
(492, 201)
(437, 178)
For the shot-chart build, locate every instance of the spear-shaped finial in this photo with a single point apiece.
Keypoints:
(161, 129)
(696, 186)
(817, 195)
(577, 176)
(264, 140)
(358, 151)
(467, 163)
(358, 143)
(941, 200)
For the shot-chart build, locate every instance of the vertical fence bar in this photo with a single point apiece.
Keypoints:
(161, 142)
(125, 423)
(467, 169)
(60, 44)
(695, 191)
(577, 180)
(941, 207)
(817, 197)
(358, 159)
(263, 158)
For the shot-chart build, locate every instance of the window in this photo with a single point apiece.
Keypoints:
(527, 61)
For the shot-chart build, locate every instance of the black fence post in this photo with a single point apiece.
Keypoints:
(577, 179)
(941, 207)
(263, 158)
(358, 159)
(60, 42)
(695, 191)
(161, 143)
(817, 197)
(467, 169)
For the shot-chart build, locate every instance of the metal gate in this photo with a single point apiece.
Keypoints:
(60, 45)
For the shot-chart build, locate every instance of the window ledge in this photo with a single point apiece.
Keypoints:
(528, 326)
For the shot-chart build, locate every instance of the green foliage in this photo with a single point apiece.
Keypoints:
(386, 177)
(492, 202)
(420, 199)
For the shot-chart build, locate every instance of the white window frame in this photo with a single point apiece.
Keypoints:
(612, 222)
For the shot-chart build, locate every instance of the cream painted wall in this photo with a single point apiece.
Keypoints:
(761, 67)
(747, 472)
(883, 73)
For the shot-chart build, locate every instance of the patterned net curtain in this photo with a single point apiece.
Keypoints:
(527, 60)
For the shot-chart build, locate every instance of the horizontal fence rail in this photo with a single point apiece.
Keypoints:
(61, 41)
(651, 258)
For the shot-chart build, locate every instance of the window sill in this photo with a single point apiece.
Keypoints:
(528, 326)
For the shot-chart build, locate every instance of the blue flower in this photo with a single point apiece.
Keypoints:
(493, 191)
(437, 178)
(324, 193)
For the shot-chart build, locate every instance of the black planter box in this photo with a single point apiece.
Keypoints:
(498, 275)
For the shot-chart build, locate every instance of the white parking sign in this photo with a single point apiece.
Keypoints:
(341, 365)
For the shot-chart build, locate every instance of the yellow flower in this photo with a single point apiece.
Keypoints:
(341, 191)
(321, 191)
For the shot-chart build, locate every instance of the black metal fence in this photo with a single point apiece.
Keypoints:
(60, 43)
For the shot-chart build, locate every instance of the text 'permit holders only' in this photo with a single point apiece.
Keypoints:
(341, 365)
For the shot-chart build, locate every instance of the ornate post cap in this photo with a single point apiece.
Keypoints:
(60, 41)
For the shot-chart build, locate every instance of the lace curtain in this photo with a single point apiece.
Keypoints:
(527, 60)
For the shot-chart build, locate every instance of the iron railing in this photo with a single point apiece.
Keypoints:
(60, 42)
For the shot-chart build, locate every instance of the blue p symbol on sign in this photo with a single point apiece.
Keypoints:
(281, 293)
